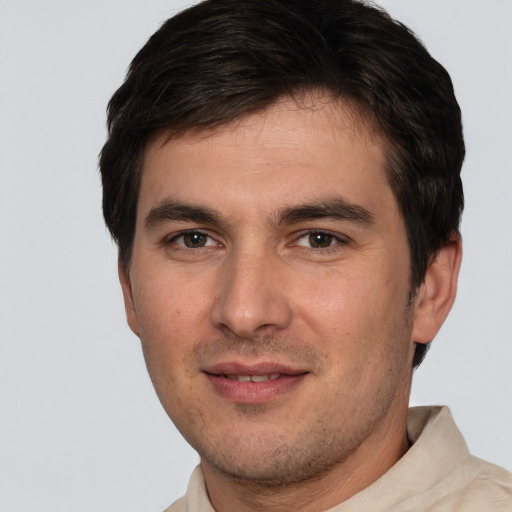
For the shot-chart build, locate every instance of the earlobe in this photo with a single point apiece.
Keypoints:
(131, 315)
(436, 295)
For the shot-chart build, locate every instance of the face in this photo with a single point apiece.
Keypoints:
(269, 286)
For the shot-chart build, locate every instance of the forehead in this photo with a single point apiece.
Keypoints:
(317, 146)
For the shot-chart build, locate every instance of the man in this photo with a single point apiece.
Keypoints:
(283, 182)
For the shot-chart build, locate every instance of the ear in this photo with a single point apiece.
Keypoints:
(436, 295)
(131, 314)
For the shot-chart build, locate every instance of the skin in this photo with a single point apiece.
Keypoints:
(231, 274)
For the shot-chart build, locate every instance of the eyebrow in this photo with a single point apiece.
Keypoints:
(169, 211)
(335, 208)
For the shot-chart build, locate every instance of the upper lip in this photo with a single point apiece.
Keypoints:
(260, 368)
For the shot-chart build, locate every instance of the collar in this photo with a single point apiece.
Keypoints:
(437, 450)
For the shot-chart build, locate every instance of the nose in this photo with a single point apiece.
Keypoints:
(251, 298)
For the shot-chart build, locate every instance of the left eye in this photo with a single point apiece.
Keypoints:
(193, 240)
(318, 240)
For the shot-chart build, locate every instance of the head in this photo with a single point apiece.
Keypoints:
(233, 74)
(220, 61)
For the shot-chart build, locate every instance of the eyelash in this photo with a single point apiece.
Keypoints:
(173, 239)
(334, 240)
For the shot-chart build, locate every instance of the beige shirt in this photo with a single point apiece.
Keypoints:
(437, 474)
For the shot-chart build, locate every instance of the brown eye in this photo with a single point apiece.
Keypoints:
(193, 240)
(319, 240)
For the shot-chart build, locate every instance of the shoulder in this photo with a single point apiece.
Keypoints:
(491, 487)
(196, 497)
(179, 505)
(486, 487)
(441, 475)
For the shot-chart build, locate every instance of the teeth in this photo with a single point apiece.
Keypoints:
(254, 378)
(259, 378)
(240, 378)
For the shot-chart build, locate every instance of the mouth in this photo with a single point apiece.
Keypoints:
(253, 378)
(253, 384)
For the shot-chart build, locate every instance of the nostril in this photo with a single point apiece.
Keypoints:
(249, 297)
(246, 320)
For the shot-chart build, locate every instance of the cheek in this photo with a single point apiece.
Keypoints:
(168, 333)
(171, 316)
(169, 307)
(355, 315)
(343, 300)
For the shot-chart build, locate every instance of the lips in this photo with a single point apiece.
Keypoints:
(255, 383)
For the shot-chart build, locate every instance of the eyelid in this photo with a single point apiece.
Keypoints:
(338, 238)
(171, 239)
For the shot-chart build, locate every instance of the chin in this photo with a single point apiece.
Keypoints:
(277, 463)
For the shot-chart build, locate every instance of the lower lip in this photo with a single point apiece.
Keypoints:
(254, 392)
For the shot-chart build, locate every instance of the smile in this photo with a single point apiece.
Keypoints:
(253, 378)
(254, 385)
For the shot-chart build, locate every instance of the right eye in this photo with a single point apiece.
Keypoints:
(193, 240)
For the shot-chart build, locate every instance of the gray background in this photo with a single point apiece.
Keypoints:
(80, 426)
